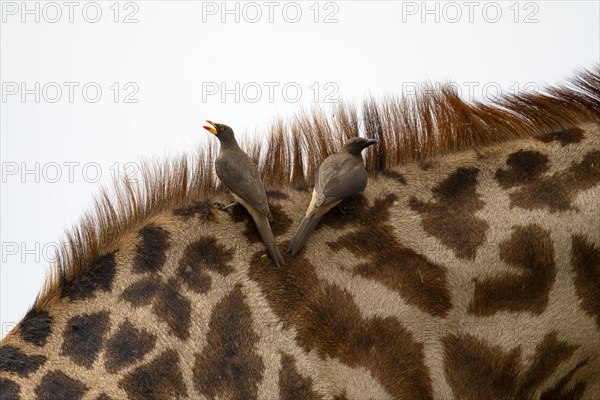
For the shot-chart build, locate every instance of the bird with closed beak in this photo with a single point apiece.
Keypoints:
(239, 174)
(339, 176)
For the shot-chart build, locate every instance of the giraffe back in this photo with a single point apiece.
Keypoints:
(474, 274)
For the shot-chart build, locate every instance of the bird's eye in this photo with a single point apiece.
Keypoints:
(222, 129)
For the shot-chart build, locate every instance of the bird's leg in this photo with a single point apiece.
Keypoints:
(223, 207)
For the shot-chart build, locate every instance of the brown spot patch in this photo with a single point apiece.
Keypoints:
(585, 258)
(560, 391)
(451, 216)
(394, 175)
(202, 208)
(158, 380)
(103, 396)
(228, 366)
(240, 214)
(13, 360)
(292, 385)
(523, 166)
(550, 353)
(9, 390)
(142, 292)
(529, 250)
(328, 321)
(83, 336)
(126, 346)
(382, 345)
(150, 253)
(564, 136)
(36, 327)
(98, 276)
(353, 214)
(281, 222)
(56, 385)
(420, 282)
(202, 255)
(476, 370)
(556, 192)
(174, 309)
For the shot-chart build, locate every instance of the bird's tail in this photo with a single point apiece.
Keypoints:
(308, 224)
(264, 228)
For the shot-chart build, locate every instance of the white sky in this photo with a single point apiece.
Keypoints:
(176, 59)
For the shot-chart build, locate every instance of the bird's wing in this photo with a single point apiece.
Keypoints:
(338, 177)
(240, 175)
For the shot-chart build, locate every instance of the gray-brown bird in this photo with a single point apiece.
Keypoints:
(339, 176)
(240, 175)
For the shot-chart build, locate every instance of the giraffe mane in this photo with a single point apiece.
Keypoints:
(435, 121)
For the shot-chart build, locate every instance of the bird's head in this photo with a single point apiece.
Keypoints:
(223, 132)
(356, 145)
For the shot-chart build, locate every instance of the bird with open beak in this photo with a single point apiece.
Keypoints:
(339, 176)
(240, 175)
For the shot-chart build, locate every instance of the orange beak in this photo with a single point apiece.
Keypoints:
(212, 129)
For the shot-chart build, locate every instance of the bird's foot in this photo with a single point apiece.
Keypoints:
(223, 207)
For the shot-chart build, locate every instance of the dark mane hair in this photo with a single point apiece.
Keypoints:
(429, 124)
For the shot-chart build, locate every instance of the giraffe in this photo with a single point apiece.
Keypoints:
(469, 268)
